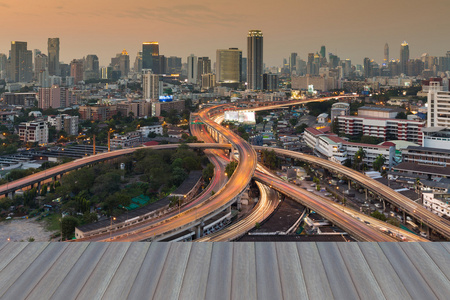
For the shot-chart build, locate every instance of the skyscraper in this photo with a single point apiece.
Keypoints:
(404, 57)
(255, 67)
(76, 70)
(204, 67)
(228, 66)
(323, 52)
(53, 56)
(138, 63)
(150, 56)
(152, 86)
(21, 62)
(192, 67)
(386, 53)
(292, 62)
(40, 65)
(3, 63)
(92, 67)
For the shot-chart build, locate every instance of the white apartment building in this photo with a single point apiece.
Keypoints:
(65, 122)
(130, 139)
(145, 130)
(152, 86)
(338, 150)
(387, 129)
(438, 106)
(436, 137)
(437, 203)
(34, 132)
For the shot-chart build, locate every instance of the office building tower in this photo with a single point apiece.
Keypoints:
(55, 97)
(204, 67)
(152, 86)
(192, 68)
(3, 65)
(106, 73)
(91, 67)
(40, 64)
(53, 56)
(64, 69)
(21, 62)
(323, 52)
(243, 69)
(255, 67)
(292, 62)
(270, 82)
(150, 56)
(76, 70)
(174, 65)
(43, 78)
(228, 66)
(367, 67)
(334, 61)
(386, 53)
(404, 57)
(36, 52)
(121, 64)
(309, 64)
(438, 114)
(137, 68)
(208, 81)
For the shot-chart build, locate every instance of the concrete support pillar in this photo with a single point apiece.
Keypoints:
(199, 230)
(365, 190)
(349, 184)
(404, 217)
(39, 187)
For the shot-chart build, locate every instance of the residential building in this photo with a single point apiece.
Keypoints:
(203, 67)
(437, 203)
(152, 86)
(97, 112)
(156, 129)
(64, 122)
(438, 105)
(340, 109)
(404, 57)
(92, 67)
(40, 64)
(20, 99)
(208, 81)
(121, 63)
(137, 108)
(270, 82)
(192, 68)
(131, 139)
(34, 132)
(427, 156)
(255, 67)
(321, 83)
(55, 97)
(76, 70)
(158, 107)
(436, 137)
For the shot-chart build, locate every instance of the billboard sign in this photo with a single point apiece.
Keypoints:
(165, 98)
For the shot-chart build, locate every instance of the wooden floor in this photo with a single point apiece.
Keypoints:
(225, 271)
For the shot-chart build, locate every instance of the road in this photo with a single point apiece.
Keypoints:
(403, 203)
(354, 227)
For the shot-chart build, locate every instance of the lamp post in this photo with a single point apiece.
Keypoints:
(110, 230)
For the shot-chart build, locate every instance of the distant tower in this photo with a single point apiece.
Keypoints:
(323, 51)
(255, 67)
(150, 56)
(21, 62)
(192, 66)
(292, 62)
(53, 56)
(386, 53)
(404, 57)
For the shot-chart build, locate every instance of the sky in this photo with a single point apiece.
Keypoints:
(352, 29)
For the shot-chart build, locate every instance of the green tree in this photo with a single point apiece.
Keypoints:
(293, 121)
(359, 158)
(68, 226)
(230, 168)
(377, 215)
(401, 115)
(208, 172)
(301, 128)
(379, 162)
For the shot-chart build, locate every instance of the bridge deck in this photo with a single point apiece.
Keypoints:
(224, 270)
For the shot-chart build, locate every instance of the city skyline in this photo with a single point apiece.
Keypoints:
(203, 27)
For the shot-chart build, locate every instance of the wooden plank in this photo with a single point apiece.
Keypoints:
(123, 279)
(172, 275)
(219, 278)
(146, 281)
(268, 285)
(59, 270)
(34, 272)
(411, 278)
(430, 272)
(291, 274)
(243, 279)
(440, 256)
(196, 275)
(80, 272)
(20, 263)
(360, 272)
(314, 273)
(104, 271)
(388, 280)
(340, 281)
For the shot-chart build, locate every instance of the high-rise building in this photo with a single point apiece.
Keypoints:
(270, 82)
(152, 86)
(386, 53)
(255, 67)
(367, 67)
(34, 132)
(208, 81)
(3, 65)
(40, 64)
(138, 63)
(192, 68)
(53, 56)
(292, 62)
(21, 62)
(404, 57)
(204, 67)
(243, 69)
(55, 97)
(323, 52)
(121, 63)
(310, 63)
(438, 104)
(76, 70)
(150, 56)
(174, 65)
(228, 66)
(91, 67)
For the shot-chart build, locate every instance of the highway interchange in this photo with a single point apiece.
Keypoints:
(193, 213)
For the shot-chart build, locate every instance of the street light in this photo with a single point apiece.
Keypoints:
(110, 230)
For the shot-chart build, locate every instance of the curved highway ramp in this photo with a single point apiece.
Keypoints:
(224, 271)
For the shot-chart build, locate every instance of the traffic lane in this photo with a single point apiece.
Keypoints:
(324, 209)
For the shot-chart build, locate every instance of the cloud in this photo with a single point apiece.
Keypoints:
(4, 5)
